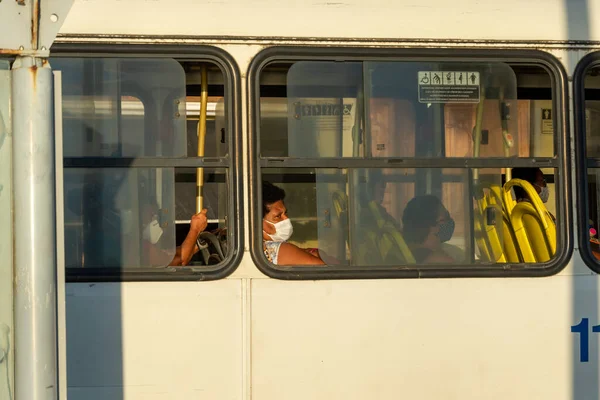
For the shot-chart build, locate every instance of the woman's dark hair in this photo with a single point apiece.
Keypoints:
(270, 195)
(420, 215)
(526, 174)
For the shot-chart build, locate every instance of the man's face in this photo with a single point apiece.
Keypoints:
(540, 182)
(277, 213)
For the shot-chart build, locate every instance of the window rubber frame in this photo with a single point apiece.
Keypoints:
(581, 160)
(560, 161)
(233, 162)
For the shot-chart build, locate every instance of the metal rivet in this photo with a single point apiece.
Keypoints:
(53, 17)
(21, 48)
(177, 115)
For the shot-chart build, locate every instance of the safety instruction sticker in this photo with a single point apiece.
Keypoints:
(448, 87)
(547, 121)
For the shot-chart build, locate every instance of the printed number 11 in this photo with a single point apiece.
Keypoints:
(584, 339)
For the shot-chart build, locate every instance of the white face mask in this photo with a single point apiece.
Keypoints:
(152, 232)
(283, 230)
(544, 194)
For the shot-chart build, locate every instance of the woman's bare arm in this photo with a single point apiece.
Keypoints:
(290, 254)
(188, 248)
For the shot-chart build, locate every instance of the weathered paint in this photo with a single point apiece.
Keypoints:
(35, 266)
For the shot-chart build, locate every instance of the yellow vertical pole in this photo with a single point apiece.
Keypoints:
(477, 131)
(507, 137)
(201, 139)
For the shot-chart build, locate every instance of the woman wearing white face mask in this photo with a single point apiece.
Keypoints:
(277, 229)
(535, 177)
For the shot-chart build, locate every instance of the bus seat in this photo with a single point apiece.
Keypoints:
(340, 203)
(487, 240)
(382, 242)
(509, 200)
(534, 229)
(494, 246)
(392, 242)
(509, 240)
(510, 244)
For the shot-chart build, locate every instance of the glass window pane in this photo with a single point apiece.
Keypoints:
(216, 197)
(130, 108)
(273, 127)
(417, 216)
(123, 107)
(155, 116)
(592, 138)
(418, 110)
(214, 194)
(411, 216)
(592, 128)
(216, 141)
(397, 109)
(436, 108)
(594, 210)
(300, 201)
(324, 109)
(127, 218)
(119, 217)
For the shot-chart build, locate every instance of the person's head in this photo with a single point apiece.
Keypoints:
(374, 188)
(426, 221)
(535, 177)
(378, 185)
(276, 224)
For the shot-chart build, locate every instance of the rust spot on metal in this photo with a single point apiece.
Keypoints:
(10, 52)
(21, 2)
(33, 69)
(35, 24)
(23, 52)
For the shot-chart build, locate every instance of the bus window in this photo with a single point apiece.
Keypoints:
(402, 166)
(134, 165)
(587, 107)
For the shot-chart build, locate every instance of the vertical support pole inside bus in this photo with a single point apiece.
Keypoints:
(201, 139)
(477, 132)
(507, 137)
(34, 229)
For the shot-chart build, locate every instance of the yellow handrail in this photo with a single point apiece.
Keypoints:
(201, 139)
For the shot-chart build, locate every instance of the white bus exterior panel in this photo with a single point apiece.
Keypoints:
(425, 339)
(154, 340)
(411, 19)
